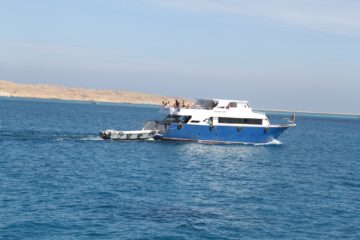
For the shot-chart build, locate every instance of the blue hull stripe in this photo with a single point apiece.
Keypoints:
(223, 134)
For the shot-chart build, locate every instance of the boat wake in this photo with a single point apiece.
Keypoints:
(272, 142)
(91, 138)
(87, 138)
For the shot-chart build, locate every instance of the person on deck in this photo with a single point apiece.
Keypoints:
(177, 103)
(183, 103)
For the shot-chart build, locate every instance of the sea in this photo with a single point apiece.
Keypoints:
(59, 180)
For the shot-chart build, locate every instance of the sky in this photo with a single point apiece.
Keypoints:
(277, 54)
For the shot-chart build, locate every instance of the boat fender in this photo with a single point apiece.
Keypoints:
(239, 129)
(180, 125)
(266, 130)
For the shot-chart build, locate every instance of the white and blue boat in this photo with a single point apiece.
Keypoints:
(208, 121)
(218, 121)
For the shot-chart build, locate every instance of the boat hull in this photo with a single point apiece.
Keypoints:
(223, 134)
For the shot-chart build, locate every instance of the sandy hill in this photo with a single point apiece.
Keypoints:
(9, 89)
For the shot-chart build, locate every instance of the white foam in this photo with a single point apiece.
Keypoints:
(88, 138)
(272, 142)
(91, 138)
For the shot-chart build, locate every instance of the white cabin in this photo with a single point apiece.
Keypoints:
(219, 112)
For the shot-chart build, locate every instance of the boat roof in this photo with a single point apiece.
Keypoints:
(209, 104)
(231, 100)
(220, 100)
(206, 101)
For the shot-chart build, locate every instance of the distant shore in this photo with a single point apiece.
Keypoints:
(45, 91)
(54, 92)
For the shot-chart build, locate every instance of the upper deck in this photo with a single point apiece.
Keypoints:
(212, 104)
(218, 109)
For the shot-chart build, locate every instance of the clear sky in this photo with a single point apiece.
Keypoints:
(283, 54)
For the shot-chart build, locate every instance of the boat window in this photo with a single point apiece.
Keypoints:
(233, 104)
(240, 120)
(194, 121)
(205, 104)
(185, 119)
(178, 118)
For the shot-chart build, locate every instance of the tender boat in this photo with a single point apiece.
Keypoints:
(208, 121)
(128, 135)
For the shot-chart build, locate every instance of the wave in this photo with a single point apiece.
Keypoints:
(91, 138)
(34, 135)
(272, 142)
(81, 138)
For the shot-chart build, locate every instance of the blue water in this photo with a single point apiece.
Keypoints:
(59, 181)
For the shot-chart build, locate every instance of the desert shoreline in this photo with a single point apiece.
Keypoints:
(45, 92)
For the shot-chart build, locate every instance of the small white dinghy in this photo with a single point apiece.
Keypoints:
(128, 135)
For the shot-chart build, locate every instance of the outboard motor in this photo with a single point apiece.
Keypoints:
(105, 134)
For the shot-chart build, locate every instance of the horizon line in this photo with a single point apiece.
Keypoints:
(257, 109)
(308, 112)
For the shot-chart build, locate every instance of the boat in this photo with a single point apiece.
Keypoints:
(128, 135)
(219, 121)
(210, 121)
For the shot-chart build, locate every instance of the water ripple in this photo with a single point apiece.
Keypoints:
(60, 181)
